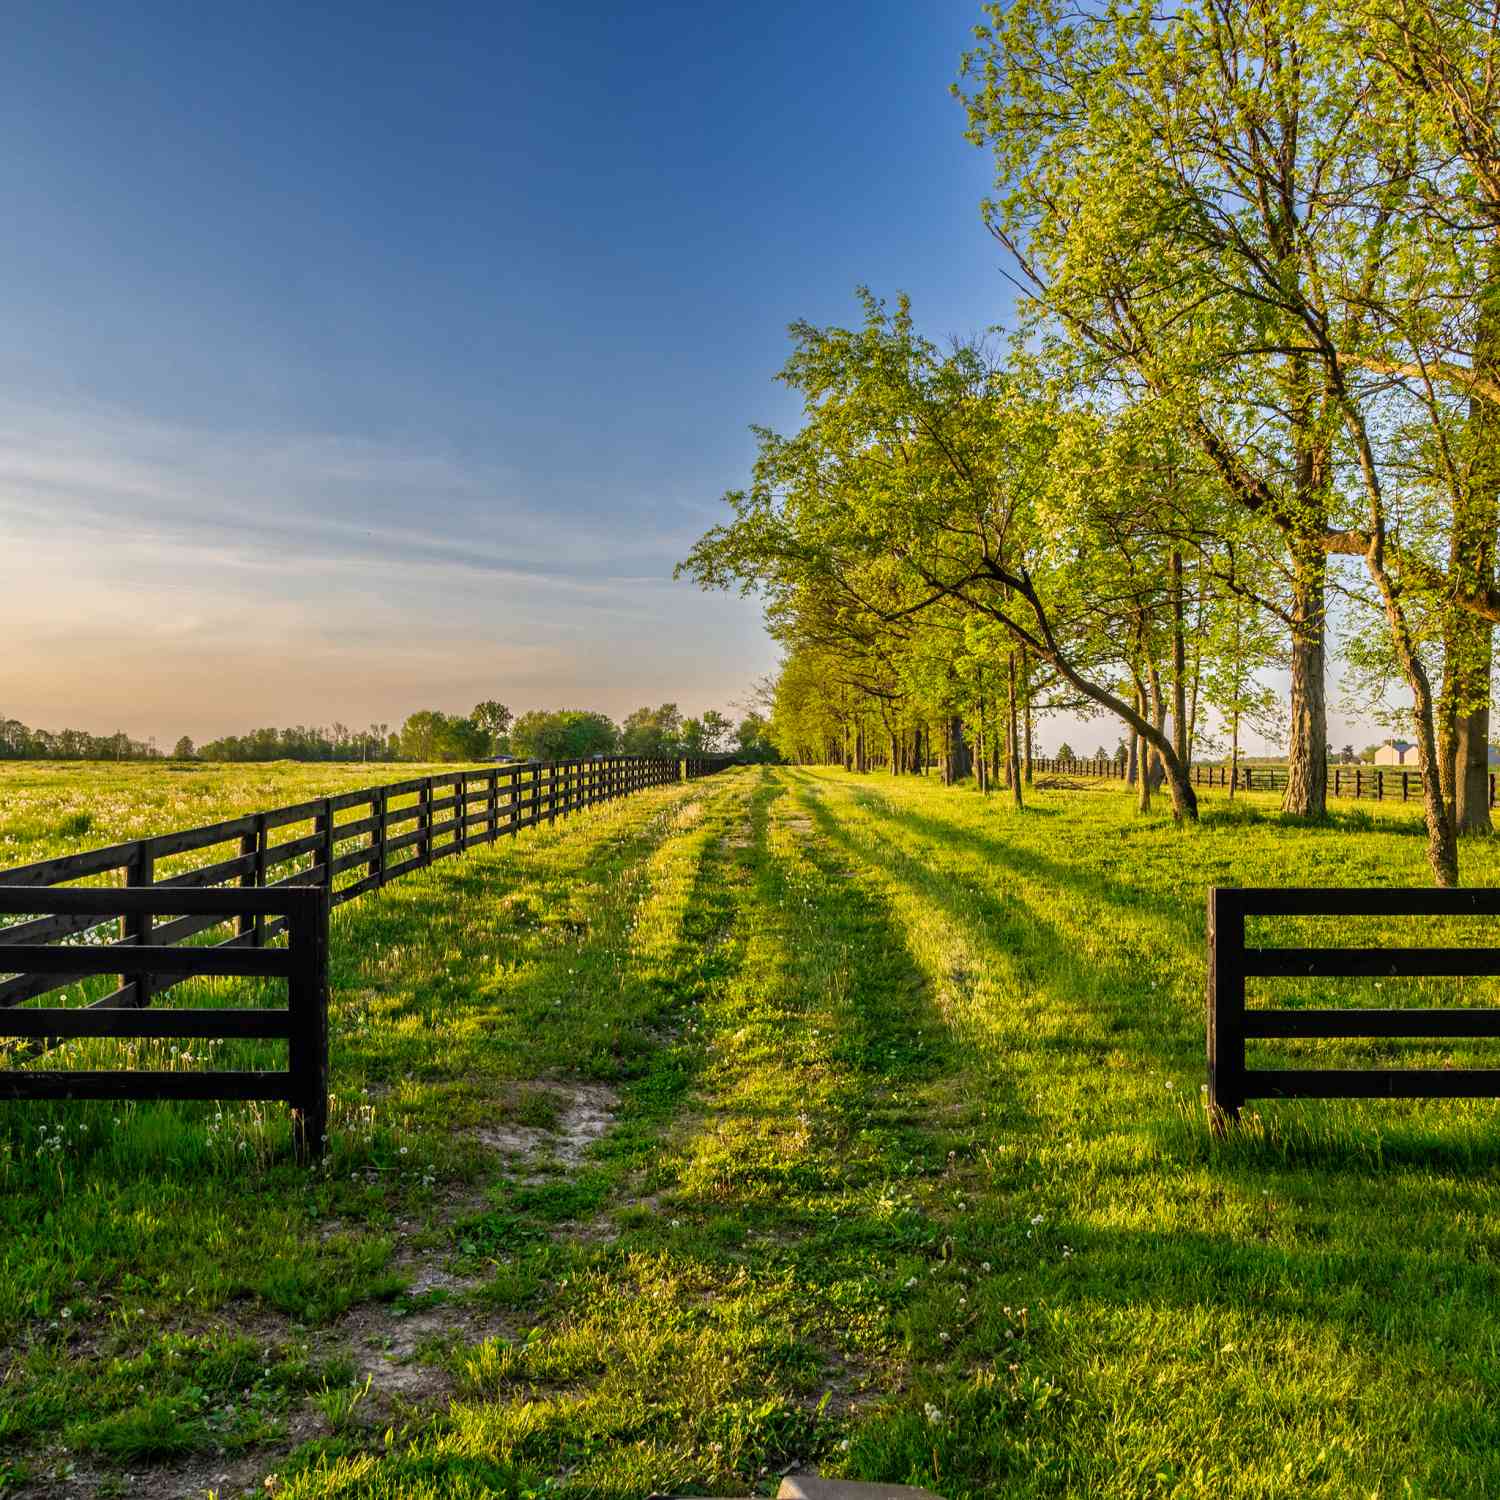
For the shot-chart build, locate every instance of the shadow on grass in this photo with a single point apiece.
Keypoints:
(1023, 943)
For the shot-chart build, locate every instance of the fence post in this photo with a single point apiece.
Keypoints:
(494, 805)
(424, 821)
(1380, 786)
(380, 810)
(1226, 1007)
(307, 1048)
(325, 827)
(136, 928)
(460, 813)
(254, 844)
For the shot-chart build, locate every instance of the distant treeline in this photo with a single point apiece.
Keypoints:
(489, 730)
(17, 742)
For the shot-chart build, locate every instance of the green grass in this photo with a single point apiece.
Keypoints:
(860, 1127)
(49, 808)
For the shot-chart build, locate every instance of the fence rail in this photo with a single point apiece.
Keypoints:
(1361, 783)
(302, 1024)
(287, 865)
(1230, 1023)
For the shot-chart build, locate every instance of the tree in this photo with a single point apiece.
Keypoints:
(716, 731)
(652, 731)
(494, 719)
(1270, 223)
(753, 739)
(926, 485)
(1065, 751)
(563, 734)
(183, 750)
(431, 735)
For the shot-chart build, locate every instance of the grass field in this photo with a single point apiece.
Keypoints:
(59, 807)
(786, 1117)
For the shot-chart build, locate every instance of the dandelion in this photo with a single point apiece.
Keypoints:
(984, 1266)
(934, 1414)
(944, 1336)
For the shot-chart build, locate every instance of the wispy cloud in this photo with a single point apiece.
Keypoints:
(159, 574)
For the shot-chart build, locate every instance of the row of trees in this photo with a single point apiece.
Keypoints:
(430, 735)
(1253, 401)
(19, 742)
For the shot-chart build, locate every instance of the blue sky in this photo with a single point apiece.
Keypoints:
(357, 359)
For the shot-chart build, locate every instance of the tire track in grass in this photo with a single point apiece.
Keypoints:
(548, 1239)
(758, 1296)
(447, 1000)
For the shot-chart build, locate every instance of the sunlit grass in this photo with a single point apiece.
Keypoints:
(907, 1178)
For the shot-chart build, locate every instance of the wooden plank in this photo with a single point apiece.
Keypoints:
(1372, 1083)
(300, 812)
(363, 798)
(46, 929)
(185, 927)
(406, 841)
(46, 872)
(1344, 901)
(355, 857)
(357, 888)
(222, 870)
(28, 986)
(1359, 1022)
(29, 958)
(116, 901)
(189, 839)
(100, 1021)
(19, 1083)
(1380, 963)
(306, 843)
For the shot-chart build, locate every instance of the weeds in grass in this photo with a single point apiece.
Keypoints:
(903, 1174)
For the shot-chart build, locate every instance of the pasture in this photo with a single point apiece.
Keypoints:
(783, 1117)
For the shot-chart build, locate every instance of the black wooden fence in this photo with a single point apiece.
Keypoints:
(1372, 783)
(290, 866)
(302, 963)
(1231, 1023)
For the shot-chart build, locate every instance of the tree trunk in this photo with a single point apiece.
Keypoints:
(1142, 758)
(1179, 666)
(1307, 767)
(1446, 712)
(1156, 763)
(1012, 735)
(1234, 751)
(1476, 569)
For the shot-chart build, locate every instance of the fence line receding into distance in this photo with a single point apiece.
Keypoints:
(334, 849)
(1372, 783)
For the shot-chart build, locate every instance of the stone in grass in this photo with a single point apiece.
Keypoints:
(810, 1487)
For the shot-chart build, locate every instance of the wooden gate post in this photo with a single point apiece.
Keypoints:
(307, 1047)
(136, 928)
(1226, 1008)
